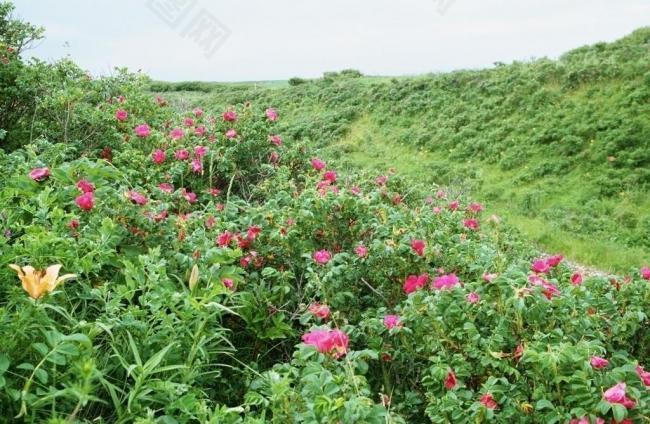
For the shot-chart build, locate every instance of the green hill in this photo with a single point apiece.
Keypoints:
(559, 147)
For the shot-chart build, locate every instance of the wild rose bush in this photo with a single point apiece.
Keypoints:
(225, 273)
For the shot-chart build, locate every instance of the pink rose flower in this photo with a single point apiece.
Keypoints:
(143, 131)
(158, 156)
(332, 342)
(224, 239)
(330, 176)
(473, 298)
(418, 246)
(197, 166)
(176, 134)
(415, 282)
(230, 116)
(231, 134)
(136, 198)
(121, 115)
(181, 154)
(276, 139)
(361, 251)
(392, 321)
(322, 257)
(381, 180)
(271, 114)
(317, 164)
(40, 174)
(166, 187)
(471, 224)
(645, 273)
(554, 260)
(488, 278)
(598, 363)
(189, 196)
(189, 122)
(198, 112)
(540, 266)
(86, 201)
(576, 279)
(475, 207)
(454, 205)
(320, 311)
(616, 394)
(199, 131)
(450, 381)
(228, 283)
(85, 186)
(643, 375)
(200, 151)
(445, 282)
(488, 401)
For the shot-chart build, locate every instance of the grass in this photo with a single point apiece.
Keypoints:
(369, 147)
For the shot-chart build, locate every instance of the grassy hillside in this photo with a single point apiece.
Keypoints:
(561, 148)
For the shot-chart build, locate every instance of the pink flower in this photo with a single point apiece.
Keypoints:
(440, 194)
(488, 400)
(616, 394)
(488, 278)
(317, 164)
(85, 186)
(230, 116)
(189, 196)
(40, 174)
(473, 297)
(597, 362)
(418, 246)
(643, 375)
(214, 191)
(330, 176)
(188, 122)
(136, 198)
(276, 139)
(450, 381)
(274, 157)
(471, 224)
(231, 134)
(381, 180)
(253, 231)
(445, 282)
(454, 205)
(322, 257)
(200, 151)
(228, 283)
(271, 114)
(121, 115)
(320, 311)
(332, 342)
(437, 210)
(198, 112)
(158, 156)
(361, 251)
(583, 420)
(166, 187)
(475, 207)
(645, 273)
(86, 201)
(224, 239)
(554, 260)
(197, 166)
(143, 131)
(199, 131)
(176, 134)
(540, 266)
(415, 282)
(392, 321)
(181, 154)
(576, 279)
(355, 190)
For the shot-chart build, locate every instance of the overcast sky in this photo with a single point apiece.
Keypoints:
(245, 40)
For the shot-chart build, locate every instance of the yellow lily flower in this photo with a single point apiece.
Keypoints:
(39, 282)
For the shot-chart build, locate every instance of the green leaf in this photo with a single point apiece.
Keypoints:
(543, 404)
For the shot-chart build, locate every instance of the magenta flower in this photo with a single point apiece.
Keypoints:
(645, 273)
(330, 176)
(158, 156)
(475, 207)
(540, 266)
(450, 381)
(473, 298)
(322, 257)
(85, 186)
(271, 114)
(166, 187)
(276, 140)
(381, 180)
(200, 151)
(418, 246)
(317, 164)
(228, 283)
(554, 260)
(392, 321)
(598, 363)
(488, 278)
(224, 239)
(253, 231)
(415, 282)
(643, 375)
(440, 194)
(199, 131)
(332, 342)
(198, 112)
(454, 205)
(189, 196)
(143, 131)
(121, 115)
(136, 198)
(230, 116)
(86, 201)
(181, 154)
(488, 401)
(576, 279)
(445, 282)
(437, 210)
(189, 122)
(471, 224)
(616, 394)
(176, 133)
(231, 134)
(40, 174)
(197, 166)
(319, 310)
(361, 251)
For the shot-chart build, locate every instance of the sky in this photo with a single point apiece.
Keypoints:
(255, 40)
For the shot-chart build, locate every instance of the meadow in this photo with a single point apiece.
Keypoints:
(341, 250)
